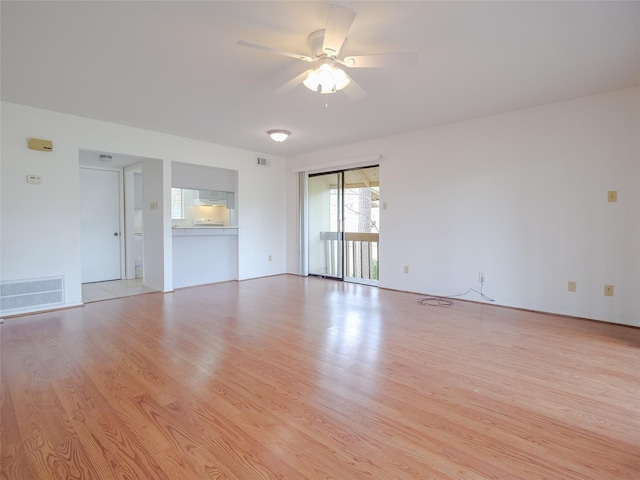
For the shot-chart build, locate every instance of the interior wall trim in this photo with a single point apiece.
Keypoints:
(369, 160)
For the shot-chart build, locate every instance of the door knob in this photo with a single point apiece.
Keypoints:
(116, 234)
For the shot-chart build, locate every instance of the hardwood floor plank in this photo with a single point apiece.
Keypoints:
(302, 378)
(49, 441)
(14, 463)
(221, 441)
(9, 428)
(273, 405)
(201, 465)
(305, 453)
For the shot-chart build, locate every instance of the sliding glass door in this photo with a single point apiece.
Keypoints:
(325, 248)
(343, 225)
(361, 225)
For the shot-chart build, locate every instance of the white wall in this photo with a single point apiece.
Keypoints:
(157, 247)
(520, 196)
(40, 226)
(263, 207)
(205, 257)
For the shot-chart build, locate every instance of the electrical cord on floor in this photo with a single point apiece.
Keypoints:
(446, 301)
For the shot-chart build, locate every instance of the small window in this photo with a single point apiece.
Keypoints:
(177, 204)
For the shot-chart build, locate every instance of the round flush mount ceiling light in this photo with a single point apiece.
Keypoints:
(279, 135)
(105, 158)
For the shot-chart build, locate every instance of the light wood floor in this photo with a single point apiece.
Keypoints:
(302, 378)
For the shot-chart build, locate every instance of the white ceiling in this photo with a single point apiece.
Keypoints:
(175, 67)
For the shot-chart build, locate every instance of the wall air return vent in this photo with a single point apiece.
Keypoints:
(19, 296)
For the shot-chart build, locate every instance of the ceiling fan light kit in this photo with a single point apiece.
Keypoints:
(327, 78)
(279, 135)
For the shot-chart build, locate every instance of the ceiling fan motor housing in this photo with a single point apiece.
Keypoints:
(316, 41)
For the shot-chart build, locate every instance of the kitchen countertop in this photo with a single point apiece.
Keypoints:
(204, 231)
(204, 227)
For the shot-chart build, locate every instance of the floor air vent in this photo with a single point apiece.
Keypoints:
(27, 295)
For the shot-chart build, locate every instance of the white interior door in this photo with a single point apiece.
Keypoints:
(100, 224)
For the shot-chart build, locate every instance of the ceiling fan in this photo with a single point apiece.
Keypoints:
(326, 46)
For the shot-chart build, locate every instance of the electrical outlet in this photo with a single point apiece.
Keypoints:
(482, 277)
(571, 286)
(406, 269)
(269, 257)
(608, 290)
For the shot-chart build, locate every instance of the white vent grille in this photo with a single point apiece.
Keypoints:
(27, 295)
(262, 162)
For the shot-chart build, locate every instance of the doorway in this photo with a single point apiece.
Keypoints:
(127, 272)
(344, 225)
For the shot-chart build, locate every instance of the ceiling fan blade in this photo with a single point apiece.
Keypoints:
(354, 91)
(293, 83)
(298, 56)
(383, 60)
(339, 22)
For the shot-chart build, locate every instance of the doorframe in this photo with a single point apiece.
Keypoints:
(128, 212)
(302, 173)
(303, 220)
(121, 212)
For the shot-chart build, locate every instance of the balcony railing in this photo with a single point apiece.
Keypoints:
(361, 253)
